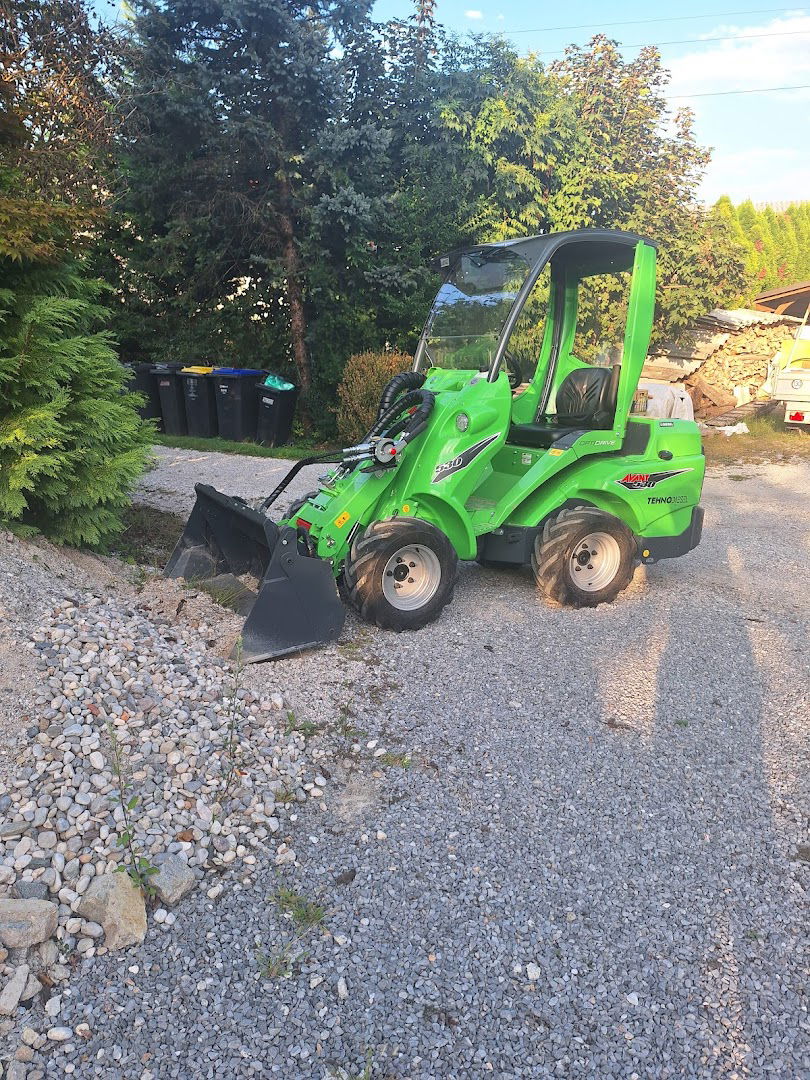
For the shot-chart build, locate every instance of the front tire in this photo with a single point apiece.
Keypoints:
(296, 504)
(583, 557)
(400, 573)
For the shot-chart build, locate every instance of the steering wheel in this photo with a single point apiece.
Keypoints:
(514, 371)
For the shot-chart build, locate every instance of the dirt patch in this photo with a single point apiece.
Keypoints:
(358, 797)
(149, 535)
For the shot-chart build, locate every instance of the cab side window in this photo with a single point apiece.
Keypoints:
(602, 302)
(526, 339)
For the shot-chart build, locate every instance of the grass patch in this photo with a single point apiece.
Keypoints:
(149, 535)
(247, 449)
(304, 913)
(392, 760)
(770, 439)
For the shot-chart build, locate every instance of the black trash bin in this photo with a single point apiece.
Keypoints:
(172, 402)
(142, 381)
(237, 403)
(200, 400)
(277, 399)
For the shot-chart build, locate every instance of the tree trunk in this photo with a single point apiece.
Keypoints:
(295, 294)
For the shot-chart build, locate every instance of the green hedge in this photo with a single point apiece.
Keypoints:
(72, 444)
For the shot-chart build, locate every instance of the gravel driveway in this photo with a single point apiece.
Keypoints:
(581, 854)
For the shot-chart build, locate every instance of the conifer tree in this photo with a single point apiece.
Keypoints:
(71, 442)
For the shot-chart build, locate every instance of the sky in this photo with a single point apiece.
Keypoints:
(760, 141)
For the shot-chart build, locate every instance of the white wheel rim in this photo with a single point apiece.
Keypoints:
(595, 561)
(411, 577)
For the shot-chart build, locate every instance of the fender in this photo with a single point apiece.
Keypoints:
(443, 512)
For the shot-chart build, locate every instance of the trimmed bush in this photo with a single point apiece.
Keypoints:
(71, 442)
(364, 378)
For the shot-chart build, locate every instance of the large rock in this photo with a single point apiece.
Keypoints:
(173, 880)
(26, 922)
(115, 902)
(13, 991)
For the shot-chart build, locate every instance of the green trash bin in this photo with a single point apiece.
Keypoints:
(277, 399)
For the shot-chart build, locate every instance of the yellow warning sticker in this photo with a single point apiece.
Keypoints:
(341, 520)
(556, 453)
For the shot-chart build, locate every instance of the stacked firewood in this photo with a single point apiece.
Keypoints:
(742, 362)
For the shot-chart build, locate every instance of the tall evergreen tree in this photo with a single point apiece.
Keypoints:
(71, 441)
(231, 100)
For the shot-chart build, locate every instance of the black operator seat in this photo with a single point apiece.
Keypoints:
(586, 401)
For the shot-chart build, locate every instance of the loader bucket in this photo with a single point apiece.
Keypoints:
(296, 605)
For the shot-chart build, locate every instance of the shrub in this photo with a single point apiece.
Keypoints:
(71, 442)
(364, 379)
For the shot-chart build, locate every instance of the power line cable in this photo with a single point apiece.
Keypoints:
(639, 22)
(684, 41)
(728, 93)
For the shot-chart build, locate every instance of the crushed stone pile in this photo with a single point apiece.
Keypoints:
(140, 748)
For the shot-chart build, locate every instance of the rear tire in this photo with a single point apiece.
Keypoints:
(584, 557)
(400, 573)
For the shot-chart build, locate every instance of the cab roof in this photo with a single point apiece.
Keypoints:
(585, 251)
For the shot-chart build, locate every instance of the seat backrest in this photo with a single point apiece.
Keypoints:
(587, 397)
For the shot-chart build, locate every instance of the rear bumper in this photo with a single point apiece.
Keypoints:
(653, 548)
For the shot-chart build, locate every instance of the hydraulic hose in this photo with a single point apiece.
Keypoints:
(418, 421)
(420, 400)
(406, 380)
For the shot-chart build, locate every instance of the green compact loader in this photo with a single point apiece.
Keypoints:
(513, 441)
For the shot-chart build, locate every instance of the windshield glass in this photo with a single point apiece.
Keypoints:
(471, 307)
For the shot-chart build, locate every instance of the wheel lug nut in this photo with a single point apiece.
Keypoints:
(410, 581)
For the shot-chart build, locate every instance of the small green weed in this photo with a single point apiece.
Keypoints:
(232, 751)
(275, 965)
(305, 913)
(346, 729)
(137, 866)
(682, 723)
(303, 727)
(366, 1074)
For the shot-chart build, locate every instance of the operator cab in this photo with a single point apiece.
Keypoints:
(562, 315)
